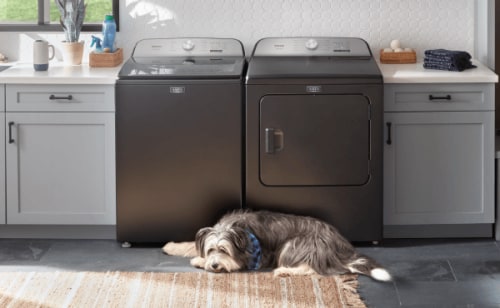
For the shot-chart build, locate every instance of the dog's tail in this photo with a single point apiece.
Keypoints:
(366, 266)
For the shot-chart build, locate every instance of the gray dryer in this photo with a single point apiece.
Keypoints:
(314, 132)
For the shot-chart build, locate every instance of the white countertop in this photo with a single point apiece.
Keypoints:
(416, 73)
(58, 73)
(83, 74)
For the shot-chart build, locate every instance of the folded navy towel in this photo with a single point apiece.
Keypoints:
(448, 53)
(443, 64)
(450, 60)
(442, 67)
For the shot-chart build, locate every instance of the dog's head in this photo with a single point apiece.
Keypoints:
(225, 249)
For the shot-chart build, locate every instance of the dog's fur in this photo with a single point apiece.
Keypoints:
(292, 245)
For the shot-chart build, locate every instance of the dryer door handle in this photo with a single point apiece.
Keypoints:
(274, 140)
(269, 140)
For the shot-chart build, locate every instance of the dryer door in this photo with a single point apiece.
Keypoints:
(314, 140)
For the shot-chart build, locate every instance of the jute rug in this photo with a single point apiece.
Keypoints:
(194, 289)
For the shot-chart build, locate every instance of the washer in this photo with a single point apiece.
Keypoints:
(178, 137)
(314, 132)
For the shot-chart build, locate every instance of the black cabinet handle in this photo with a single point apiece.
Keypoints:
(389, 141)
(11, 140)
(53, 97)
(435, 98)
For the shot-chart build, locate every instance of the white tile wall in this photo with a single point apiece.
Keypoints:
(421, 24)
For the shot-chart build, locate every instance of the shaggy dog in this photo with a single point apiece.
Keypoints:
(292, 245)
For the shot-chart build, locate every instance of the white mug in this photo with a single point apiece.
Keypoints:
(41, 57)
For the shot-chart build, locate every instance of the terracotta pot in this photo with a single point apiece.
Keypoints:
(72, 52)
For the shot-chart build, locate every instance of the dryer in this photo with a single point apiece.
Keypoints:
(314, 132)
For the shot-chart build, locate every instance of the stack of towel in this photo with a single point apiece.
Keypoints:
(448, 60)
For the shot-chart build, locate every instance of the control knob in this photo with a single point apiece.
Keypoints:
(188, 45)
(311, 44)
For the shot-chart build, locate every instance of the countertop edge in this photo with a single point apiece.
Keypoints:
(416, 73)
(58, 80)
(23, 73)
(58, 73)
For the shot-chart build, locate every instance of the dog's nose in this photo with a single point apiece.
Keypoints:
(215, 266)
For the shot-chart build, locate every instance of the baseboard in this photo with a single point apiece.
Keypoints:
(58, 231)
(439, 231)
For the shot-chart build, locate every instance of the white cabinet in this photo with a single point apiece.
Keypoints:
(439, 155)
(2, 154)
(60, 155)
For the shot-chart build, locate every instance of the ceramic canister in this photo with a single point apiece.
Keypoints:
(42, 53)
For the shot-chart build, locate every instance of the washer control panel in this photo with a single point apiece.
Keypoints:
(312, 46)
(181, 47)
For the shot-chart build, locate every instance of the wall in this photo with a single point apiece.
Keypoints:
(421, 24)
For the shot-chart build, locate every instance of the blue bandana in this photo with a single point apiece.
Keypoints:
(255, 251)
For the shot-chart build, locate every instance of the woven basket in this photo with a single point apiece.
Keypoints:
(398, 57)
(106, 59)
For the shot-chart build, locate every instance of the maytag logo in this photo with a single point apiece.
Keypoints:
(177, 90)
(313, 89)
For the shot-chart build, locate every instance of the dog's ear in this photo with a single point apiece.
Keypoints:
(240, 238)
(200, 240)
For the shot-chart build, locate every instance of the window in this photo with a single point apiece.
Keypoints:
(43, 15)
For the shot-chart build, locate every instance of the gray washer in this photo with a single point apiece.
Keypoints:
(314, 132)
(178, 137)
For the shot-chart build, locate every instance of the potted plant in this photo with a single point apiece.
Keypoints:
(72, 14)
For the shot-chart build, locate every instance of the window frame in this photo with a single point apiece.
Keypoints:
(41, 26)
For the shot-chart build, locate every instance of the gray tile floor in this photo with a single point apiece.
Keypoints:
(428, 273)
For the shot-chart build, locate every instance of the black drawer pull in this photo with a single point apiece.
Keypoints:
(53, 97)
(389, 141)
(11, 140)
(434, 98)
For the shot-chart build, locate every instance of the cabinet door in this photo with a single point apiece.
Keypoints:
(439, 168)
(2, 167)
(60, 168)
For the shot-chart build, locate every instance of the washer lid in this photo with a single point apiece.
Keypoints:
(183, 68)
(185, 58)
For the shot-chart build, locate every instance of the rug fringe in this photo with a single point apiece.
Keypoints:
(349, 284)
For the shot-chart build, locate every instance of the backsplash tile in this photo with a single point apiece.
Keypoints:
(420, 24)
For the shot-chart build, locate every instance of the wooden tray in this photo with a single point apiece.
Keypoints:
(398, 57)
(106, 59)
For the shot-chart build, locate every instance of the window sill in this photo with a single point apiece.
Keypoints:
(45, 28)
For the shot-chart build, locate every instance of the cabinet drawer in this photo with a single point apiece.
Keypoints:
(60, 98)
(2, 97)
(439, 97)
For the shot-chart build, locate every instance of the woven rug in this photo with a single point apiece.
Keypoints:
(194, 289)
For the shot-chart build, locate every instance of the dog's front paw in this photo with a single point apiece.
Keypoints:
(198, 262)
